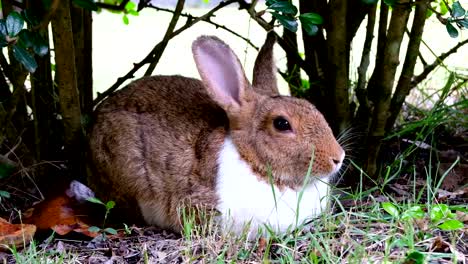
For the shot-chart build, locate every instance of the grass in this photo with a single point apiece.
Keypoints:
(371, 226)
(366, 225)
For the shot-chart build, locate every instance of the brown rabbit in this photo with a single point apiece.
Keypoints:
(241, 150)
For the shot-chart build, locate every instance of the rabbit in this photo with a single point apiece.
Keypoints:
(241, 151)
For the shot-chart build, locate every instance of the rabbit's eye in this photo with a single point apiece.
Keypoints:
(281, 124)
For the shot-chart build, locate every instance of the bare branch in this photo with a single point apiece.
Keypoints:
(404, 83)
(428, 69)
(170, 29)
(365, 61)
(149, 57)
(209, 21)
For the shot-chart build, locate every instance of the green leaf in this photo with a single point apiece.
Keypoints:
(457, 10)
(289, 23)
(94, 229)
(463, 23)
(429, 13)
(391, 209)
(86, 4)
(25, 58)
(125, 19)
(40, 46)
(285, 7)
(133, 12)
(130, 6)
(309, 22)
(443, 8)
(110, 205)
(270, 2)
(414, 212)
(14, 24)
(390, 2)
(95, 200)
(452, 31)
(3, 43)
(461, 208)
(415, 257)
(111, 231)
(4, 194)
(451, 224)
(310, 29)
(312, 18)
(439, 212)
(3, 29)
(26, 38)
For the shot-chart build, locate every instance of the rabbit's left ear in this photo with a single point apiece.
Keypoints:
(220, 71)
(264, 76)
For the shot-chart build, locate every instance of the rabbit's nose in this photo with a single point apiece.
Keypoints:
(337, 161)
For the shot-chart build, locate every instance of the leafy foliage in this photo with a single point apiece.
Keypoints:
(458, 17)
(23, 42)
(285, 12)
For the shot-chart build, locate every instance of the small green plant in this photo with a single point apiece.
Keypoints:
(103, 230)
(440, 215)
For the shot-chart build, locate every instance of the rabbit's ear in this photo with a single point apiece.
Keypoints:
(220, 71)
(264, 76)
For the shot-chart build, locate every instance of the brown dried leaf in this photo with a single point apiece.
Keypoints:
(17, 235)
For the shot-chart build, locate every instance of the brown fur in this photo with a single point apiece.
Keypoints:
(156, 142)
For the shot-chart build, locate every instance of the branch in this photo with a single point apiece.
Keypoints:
(150, 56)
(428, 69)
(365, 60)
(170, 29)
(404, 83)
(209, 21)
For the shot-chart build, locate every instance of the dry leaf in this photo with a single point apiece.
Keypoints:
(17, 235)
(63, 213)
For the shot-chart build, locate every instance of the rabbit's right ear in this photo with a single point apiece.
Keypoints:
(264, 76)
(220, 71)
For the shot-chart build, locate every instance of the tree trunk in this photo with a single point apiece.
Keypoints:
(82, 40)
(404, 84)
(66, 79)
(362, 119)
(398, 22)
(337, 65)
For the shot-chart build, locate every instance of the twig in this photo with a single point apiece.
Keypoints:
(170, 29)
(428, 69)
(149, 57)
(209, 21)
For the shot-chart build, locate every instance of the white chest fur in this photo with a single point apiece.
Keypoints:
(244, 198)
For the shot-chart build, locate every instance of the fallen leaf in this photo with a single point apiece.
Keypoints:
(17, 235)
(455, 178)
(63, 213)
(444, 195)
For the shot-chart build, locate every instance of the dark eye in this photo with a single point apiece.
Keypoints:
(281, 124)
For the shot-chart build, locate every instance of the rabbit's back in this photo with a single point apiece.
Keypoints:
(148, 145)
